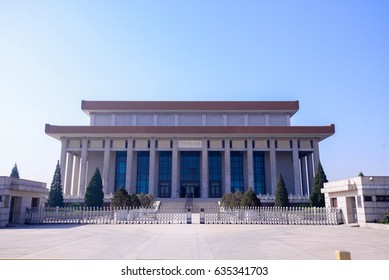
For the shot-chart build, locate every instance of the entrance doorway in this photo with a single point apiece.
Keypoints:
(351, 210)
(190, 174)
(15, 210)
(164, 189)
(190, 189)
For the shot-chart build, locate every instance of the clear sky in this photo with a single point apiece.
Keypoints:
(332, 56)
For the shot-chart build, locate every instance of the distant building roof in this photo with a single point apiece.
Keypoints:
(170, 106)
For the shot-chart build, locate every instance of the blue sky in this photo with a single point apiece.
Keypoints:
(332, 56)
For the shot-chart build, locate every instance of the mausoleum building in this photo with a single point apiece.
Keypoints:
(190, 148)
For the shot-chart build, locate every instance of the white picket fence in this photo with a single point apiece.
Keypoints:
(105, 215)
(181, 215)
(273, 215)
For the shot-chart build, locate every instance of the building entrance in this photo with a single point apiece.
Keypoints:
(15, 210)
(215, 174)
(190, 174)
(191, 189)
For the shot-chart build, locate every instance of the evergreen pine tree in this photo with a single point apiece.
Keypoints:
(135, 202)
(121, 198)
(316, 197)
(281, 196)
(55, 195)
(94, 195)
(15, 172)
(249, 198)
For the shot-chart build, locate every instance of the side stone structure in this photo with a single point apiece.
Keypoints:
(362, 199)
(16, 195)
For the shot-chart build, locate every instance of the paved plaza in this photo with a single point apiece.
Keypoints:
(192, 241)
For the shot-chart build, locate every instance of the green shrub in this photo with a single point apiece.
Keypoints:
(239, 199)
(249, 198)
(121, 198)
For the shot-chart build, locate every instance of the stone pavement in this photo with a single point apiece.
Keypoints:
(193, 241)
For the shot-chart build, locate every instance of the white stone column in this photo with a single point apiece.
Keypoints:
(250, 164)
(273, 166)
(69, 175)
(84, 158)
(296, 168)
(310, 173)
(175, 179)
(152, 188)
(204, 170)
(76, 176)
(227, 166)
(316, 155)
(62, 162)
(130, 189)
(107, 155)
(303, 161)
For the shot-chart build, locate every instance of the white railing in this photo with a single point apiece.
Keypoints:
(104, 215)
(81, 198)
(292, 198)
(272, 215)
(181, 215)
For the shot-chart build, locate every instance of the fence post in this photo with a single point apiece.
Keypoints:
(189, 216)
(287, 214)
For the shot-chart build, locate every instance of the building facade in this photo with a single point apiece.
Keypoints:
(180, 149)
(362, 199)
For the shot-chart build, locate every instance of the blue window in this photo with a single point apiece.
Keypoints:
(215, 174)
(165, 174)
(190, 174)
(237, 183)
(259, 173)
(142, 174)
(120, 170)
